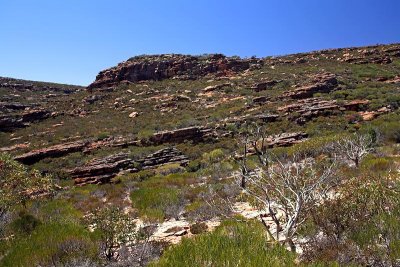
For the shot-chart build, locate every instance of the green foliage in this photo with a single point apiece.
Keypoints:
(103, 135)
(198, 228)
(113, 227)
(18, 184)
(52, 244)
(231, 244)
(152, 202)
(25, 223)
(58, 211)
(361, 225)
(377, 164)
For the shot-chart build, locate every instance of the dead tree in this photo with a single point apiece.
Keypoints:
(354, 147)
(288, 191)
(253, 141)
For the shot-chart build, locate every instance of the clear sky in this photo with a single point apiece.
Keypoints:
(70, 41)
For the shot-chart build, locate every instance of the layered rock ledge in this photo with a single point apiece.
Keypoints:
(159, 67)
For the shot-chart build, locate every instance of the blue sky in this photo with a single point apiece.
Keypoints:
(71, 41)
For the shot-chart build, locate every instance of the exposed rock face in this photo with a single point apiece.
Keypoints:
(267, 117)
(101, 171)
(8, 122)
(370, 115)
(13, 106)
(194, 133)
(306, 109)
(163, 156)
(264, 85)
(286, 139)
(51, 152)
(380, 59)
(159, 67)
(310, 107)
(260, 99)
(212, 88)
(92, 99)
(14, 147)
(24, 85)
(321, 83)
(395, 80)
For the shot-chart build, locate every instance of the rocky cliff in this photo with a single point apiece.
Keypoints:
(159, 67)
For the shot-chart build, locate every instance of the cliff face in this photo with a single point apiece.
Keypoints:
(159, 67)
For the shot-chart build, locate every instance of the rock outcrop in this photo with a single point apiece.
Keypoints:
(9, 122)
(286, 139)
(51, 152)
(159, 67)
(320, 83)
(194, 133)
(23, 85)
(306, 109)
(100, 171)
(163, 156)
(264, 85)
(212, 88)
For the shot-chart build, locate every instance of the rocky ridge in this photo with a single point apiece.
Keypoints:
(159, 67)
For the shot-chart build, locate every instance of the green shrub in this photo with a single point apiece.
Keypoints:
(153, 202)
(377, 165)
(198, 228)
(193, 166)
(25, 223)
(55, 244)
(103, 135)
(231, 244)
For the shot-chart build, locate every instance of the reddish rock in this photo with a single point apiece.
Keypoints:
(321, 83)
(212, 88)
(395, 80)
(14, 147)
(370, 115)
(195, 133)
(260, 99)
(356, 105)
(100, 171)
(159, 67)
(264, 85)
(51, 152)
(286, 139)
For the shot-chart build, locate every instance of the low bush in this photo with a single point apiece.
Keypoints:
(198, 228)
(152, 203)
(52, 244)
(231, 244)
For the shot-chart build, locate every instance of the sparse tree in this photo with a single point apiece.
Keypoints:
(253, 140)
(354, 147)
(115, 228)
(18, 185)
(287, 192)
(286, 189)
